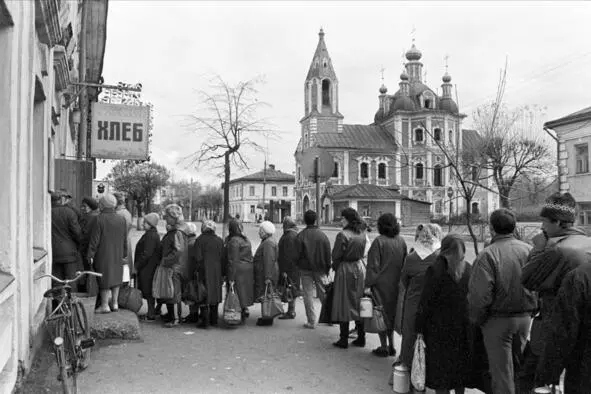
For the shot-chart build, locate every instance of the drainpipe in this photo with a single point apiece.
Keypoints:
(555, 138)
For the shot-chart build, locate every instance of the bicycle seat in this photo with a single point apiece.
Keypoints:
(54, 292)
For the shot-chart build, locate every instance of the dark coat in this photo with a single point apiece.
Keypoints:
(175, 255)
(265, 266)
(65, 235)
(315, 254)
(208, 252)
(384, 266)
(442, 318)
(413, 279)
(289, 251)
(240, 269)
(349, 280)
(146, 259)
(107, 246)
(86, 224)
(569, 340)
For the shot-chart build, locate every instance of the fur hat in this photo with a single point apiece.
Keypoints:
(152, 219)
(560, 207)
(91, 202)
(208, 225)
(267, 227)
(175, 212)
(108, 201)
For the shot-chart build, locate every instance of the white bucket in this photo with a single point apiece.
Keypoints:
(365, 307)
(401, 380)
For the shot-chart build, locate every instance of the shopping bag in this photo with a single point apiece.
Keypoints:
(232, 310)
(418, 371)
(326, 310)
(195, 292)
(130, 298)
(271, 305)
(376, 323)
(286, 289)
(162, 284)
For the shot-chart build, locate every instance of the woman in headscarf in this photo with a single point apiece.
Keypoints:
(289, 253)
(193, 316)
(175, 255)
(424, 254)
(442, 318)
(146, 259)
(384, 265)
(266, 271)
(90, 211)
(239, 267)
(349, 280)
(209, 255)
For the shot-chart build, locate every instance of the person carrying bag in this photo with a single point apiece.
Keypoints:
(271, 306)
(232, 311)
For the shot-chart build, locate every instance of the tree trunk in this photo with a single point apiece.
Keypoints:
(469, 224)
(504, 197)
(226, 212)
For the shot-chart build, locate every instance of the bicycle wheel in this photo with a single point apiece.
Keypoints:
(66, 375)
(82, 333)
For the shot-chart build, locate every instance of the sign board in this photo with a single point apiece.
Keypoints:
(325, 163)
(119, 131)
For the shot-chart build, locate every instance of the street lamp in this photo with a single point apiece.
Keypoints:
(450, 194)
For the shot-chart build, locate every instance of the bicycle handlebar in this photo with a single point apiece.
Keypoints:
(79, 275)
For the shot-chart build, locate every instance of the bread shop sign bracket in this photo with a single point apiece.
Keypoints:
(120, 132)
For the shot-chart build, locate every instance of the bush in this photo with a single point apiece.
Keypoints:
(459, 220)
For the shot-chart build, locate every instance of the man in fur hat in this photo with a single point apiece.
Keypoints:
(557, 251)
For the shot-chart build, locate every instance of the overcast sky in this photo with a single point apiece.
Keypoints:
(170, 47)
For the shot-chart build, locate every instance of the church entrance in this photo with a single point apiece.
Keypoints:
(306, 204)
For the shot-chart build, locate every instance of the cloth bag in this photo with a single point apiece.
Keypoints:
(271, 305)
(326, 310)
(195, 292)
(130, 298)
(376, 323)
(232, 311)
(287, 289)
(418, 372)
(162, 284)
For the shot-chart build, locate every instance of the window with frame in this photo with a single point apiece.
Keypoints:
(274, 191)
(382, 171)
(335, 170)
(285, 191)
(251, 191)
(252, 209)
(438, 175)
(419, 171)
(364, 171)
(451, 136)
(419, 135)
(582, 158)
(437, 134)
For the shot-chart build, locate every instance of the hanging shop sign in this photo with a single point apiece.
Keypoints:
(120, 132)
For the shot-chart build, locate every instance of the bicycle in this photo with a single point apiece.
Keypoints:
(68, 327)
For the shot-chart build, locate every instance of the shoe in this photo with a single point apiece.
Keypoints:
(359, 342)
(102, 310)
(287, 316)
(171, 324)
(150, 317)
(191, 319)
(264, 322)
(341, 343)
(309, 325)
(381, 351)
(246, 313)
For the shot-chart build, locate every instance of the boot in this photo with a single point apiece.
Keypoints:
(204, 322)
(262, 321)
(290, 314)
(213, 315)
(360, 341)
(343, 341)
(151, 315)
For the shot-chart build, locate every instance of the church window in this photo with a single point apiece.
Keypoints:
(325, 92)
(325, 64)
(427, 103)
(335, 171)
(419, 135)
(451, 136)
(438, 176)
(419, 170)
(438, 206)
(382, 171)
(364, 170)
(437, 134)
(475, 173)
(475, 208)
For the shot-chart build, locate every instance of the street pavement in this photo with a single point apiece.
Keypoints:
(283, 358)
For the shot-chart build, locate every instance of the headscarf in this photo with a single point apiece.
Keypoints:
(267, 228)
(108, 201)
(289, 223)
(152, 219)
(191, 229)
(174, 211)
(208, 225)
(453, 250)
(428, 237)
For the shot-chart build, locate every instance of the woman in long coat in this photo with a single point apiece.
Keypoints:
(209, 255)
(106, 249)
(288, 254)
(384, 266)
(239, 267)
(413, 279)
(147, 257)
(442, 318)
(266, 270)
(349, 280)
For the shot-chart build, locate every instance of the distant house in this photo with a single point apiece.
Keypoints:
(573, 134)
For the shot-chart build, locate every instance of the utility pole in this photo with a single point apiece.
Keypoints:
(264, 187)
(83, 127)
(191, 201)
(316, 170)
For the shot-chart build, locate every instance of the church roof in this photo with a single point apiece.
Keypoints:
(321, 66)
(358, 137)
(470, 139)
(269, 175)
(365, 191)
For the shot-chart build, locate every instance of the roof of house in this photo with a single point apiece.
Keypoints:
(365, 191)
(358, 137)
(584, 114)
(470, 139)
(268, 175)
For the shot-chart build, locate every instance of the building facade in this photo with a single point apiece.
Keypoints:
(273, 187)
(573, 134)
(39, 51)
(404, 153)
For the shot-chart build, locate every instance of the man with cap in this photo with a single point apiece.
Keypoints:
(556, 252)
(289, 275)
(65, 239)
(67, 201)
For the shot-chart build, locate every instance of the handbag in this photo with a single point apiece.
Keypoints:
(195, 292)
(326, 310)
(287, 289)
(232, 311)
(162, 284)
(376, 323)
(418, 371)
(130, 298)
(271, 305)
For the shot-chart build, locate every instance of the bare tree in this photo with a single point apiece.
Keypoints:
(227, 121)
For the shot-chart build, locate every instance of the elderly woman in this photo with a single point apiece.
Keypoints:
(193, 316)
(175, 255)
(384, 266)
(239, 267)
(424, 254)
(208, 253)
(289, 253)
(347, 255)
(107, 247)
(146, 259)
(266, 271)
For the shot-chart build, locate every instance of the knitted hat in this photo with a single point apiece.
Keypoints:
(191, 229)
(152, 219)
(560, 207)
(208, 225)
(108, 201)
(268, 227)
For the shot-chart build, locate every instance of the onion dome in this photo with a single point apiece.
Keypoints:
(383, 89)
(404, 76)
(447, 104)
(413, 53)
(446, 78)
(403, 103)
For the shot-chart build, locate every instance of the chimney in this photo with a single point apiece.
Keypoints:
(272, 166)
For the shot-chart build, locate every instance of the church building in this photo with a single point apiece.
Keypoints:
(396, 164)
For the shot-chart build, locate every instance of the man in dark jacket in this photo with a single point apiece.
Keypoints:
(314, 264)
(67, 201)
(568, 342)
(498, 302)
(65, 239)
(556, 252)
(289, 275)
